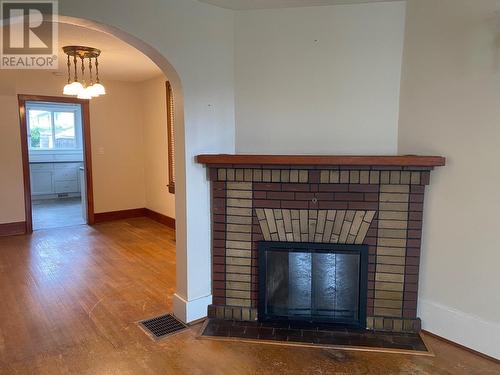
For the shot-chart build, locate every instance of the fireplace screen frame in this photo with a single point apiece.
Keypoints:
(308, 247)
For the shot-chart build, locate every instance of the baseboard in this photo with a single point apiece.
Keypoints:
(102, 217)
(160, 218)
(475, 352)
(12, 229)
(193, 310)
(468, 331)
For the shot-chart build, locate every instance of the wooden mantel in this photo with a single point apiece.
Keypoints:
(317, 160)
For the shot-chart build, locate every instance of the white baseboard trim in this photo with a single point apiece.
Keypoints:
(189, 311)
(464, 329)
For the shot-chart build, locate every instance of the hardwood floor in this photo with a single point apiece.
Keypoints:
(71, 296)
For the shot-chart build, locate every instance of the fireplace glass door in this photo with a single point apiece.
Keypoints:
(313, 282)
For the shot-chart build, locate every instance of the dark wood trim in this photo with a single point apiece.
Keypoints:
(485, 356)
(22, 99)
(12, 229)
(332, 160)
(26, 167)
(102, 217)
(170, 135)
(160, 218)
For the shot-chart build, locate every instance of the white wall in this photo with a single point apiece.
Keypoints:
(154, 122)
(116, 129)
(450, 105)
(197, 40)
(319, 79)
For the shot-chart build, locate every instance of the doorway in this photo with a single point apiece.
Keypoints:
(55, 139)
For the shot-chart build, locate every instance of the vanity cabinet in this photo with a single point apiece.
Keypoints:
(55, 178)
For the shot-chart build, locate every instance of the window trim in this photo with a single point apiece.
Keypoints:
(170, 137)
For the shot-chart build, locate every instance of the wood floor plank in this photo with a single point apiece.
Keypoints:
(71, 298)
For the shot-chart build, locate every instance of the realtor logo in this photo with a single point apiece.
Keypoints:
(28, 34)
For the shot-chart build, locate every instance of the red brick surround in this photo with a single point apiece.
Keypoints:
(379, 206)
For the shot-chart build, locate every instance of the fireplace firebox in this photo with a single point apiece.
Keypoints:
(313, 283)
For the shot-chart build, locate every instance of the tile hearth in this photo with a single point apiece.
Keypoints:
(320, 335)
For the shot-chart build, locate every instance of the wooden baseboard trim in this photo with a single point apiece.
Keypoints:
(13, 229)
(160, 218)
(102, 217)
(485, 356)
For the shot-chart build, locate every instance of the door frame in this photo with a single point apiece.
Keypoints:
(87, 154)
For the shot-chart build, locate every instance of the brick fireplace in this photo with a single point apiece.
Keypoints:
(340, 200)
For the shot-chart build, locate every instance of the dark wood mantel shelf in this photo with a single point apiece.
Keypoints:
(319, 160)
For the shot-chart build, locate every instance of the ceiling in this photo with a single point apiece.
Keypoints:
(118, 61)
(271, 4)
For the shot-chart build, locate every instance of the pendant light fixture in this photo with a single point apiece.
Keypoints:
(81, 88)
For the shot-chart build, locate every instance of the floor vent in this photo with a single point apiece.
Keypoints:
(162, 326)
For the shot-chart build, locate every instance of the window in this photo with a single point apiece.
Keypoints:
(53, 126)
(170, 130)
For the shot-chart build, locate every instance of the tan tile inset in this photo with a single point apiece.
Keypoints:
(257, 175)
(285, 175)
(238, 261)
(275, 175)
(385, 177)
(239, 228)
(248, 175)
(392, 242)
(235, 236)
(392, 233)
(238, 253)
(394, 287)
(390, 303)
(266, 175)
(405, 178)
(246, 194)
(324, 177)
(390, 268)
(238, 302)
(239, 175)
(231, 219)
(397, 313)
(237, 202)
(390, 260)
(391, 251)
(294, 175)
(374, 177)
(221, 174)
(390, 277)
(364, 177)
(240, 277)
(334, 177)
(415, 178)
(344, 177)
(238, 269)
(395, 177)
(236, 285)
(394, 189)
(239, 185)
(389, 206)
(383, 294)
(242, 245)
(394, 197)
(303, 176)
(393, 224)
(354, 177)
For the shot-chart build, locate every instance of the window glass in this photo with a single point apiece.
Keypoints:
(64, 130)
(53, 127)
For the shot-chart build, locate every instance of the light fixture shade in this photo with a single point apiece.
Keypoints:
(98, 89)
(85, 93)
(73, 88)
(92, 91)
